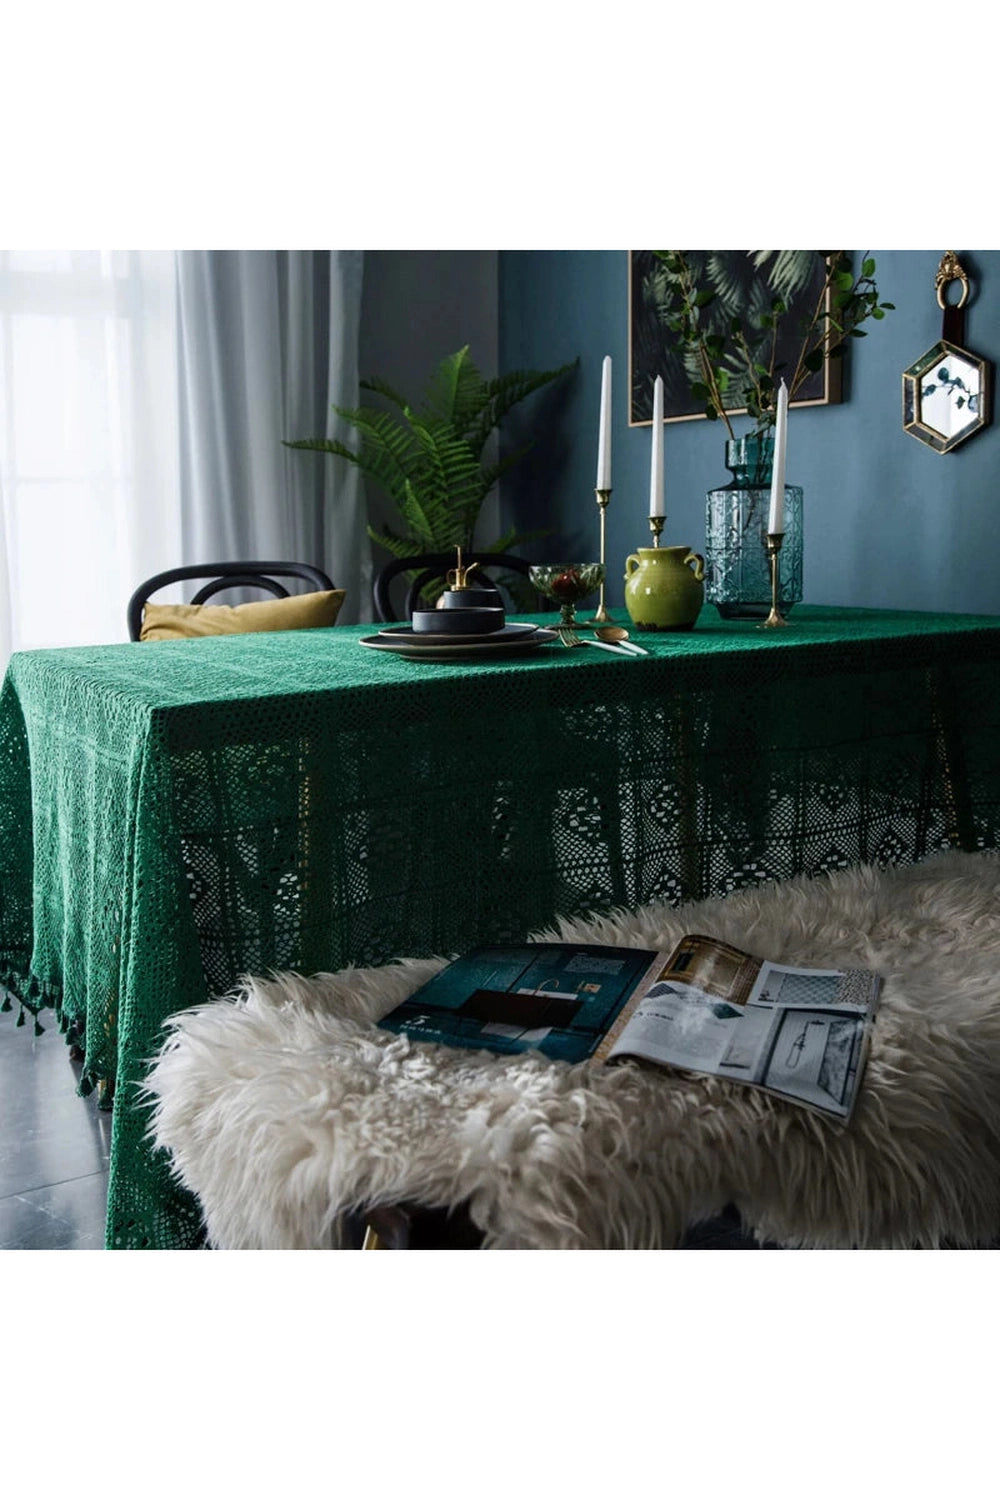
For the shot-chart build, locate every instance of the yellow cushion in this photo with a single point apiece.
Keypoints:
(176, 622)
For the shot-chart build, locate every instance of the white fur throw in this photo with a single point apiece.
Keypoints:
(284, 1107)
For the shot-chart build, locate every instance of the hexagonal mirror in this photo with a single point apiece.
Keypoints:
(945, 396)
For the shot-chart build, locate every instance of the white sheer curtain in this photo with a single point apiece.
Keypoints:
(144, 397)
(89, 469)
(6, 594)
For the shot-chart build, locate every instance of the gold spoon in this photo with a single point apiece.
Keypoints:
(618, 635)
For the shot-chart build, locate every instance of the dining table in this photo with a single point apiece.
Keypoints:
(175, 815)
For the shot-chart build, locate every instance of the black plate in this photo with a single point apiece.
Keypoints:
(420, 638)
(448, 649)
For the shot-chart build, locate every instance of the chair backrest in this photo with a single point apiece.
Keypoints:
(430, 566)
(226, 575)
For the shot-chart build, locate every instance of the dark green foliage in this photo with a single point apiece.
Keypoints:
(428, 459)
(730, 358)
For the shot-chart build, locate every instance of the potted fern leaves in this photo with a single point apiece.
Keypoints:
(430, 459)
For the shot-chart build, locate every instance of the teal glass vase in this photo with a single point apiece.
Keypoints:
(737, 571)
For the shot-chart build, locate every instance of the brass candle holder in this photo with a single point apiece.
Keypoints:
(774, 541)
(656, 527)
(601, 616)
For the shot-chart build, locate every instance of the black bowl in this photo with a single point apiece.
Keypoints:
(475, 598)
(458, 621)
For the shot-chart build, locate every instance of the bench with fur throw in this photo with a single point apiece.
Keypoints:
(284, 1108)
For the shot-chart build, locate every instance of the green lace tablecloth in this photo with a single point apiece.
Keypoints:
(175, 815)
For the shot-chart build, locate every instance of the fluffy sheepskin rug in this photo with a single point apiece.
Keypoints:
(283, 1107)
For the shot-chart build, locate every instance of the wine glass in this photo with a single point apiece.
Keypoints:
(567, 584)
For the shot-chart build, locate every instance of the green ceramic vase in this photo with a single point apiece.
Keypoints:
(664, 588)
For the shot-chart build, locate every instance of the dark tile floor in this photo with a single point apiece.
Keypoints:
(53, 1145)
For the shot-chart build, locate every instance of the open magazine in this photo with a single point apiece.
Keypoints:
(706, 1007)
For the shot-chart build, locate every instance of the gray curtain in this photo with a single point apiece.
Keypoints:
(267, 342)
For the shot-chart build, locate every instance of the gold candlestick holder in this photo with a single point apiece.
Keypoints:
(656, 526)
(601, 616)
(774, 541)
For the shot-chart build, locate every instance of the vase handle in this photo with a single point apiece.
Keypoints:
(635, 563)
(696, 557)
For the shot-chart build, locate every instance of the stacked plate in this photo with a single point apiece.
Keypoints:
(428, 645)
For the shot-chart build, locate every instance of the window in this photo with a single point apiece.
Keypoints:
(88, 419)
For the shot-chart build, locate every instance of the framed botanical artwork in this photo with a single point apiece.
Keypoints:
(744, 282)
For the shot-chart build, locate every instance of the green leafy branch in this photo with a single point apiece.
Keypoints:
(734, 363)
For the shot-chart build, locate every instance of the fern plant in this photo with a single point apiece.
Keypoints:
(429, 460)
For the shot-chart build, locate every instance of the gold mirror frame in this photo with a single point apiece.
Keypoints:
(946, 392)
(974, 395)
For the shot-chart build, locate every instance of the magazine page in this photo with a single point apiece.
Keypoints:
(801, 1033)
(558, 998)
(814, 1045)
(688, 1007)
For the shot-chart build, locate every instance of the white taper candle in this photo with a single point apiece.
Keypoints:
(656, 454)
(604, 435)
(776, 515)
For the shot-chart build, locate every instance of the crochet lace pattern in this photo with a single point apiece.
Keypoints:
(174, 815)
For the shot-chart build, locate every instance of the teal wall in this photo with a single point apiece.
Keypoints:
(418, 306)
(888, 522)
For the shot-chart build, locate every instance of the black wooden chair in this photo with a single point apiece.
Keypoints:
(435, 565)
(226, 575)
